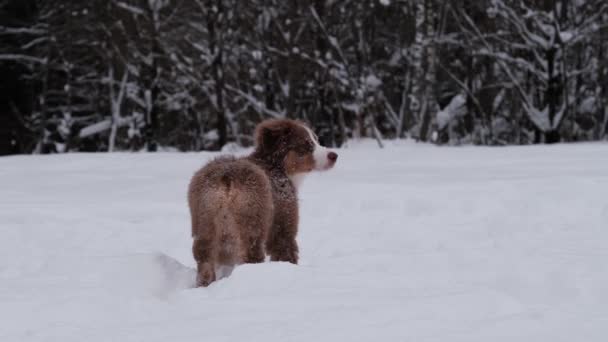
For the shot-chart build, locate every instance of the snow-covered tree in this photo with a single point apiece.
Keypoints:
(138, 74)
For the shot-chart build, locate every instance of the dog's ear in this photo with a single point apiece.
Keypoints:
(270, 134)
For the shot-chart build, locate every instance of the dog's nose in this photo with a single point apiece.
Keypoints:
(332, 156)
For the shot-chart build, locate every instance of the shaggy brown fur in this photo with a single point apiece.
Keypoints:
(243, 209)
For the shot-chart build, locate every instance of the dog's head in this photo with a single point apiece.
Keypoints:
(294, 145)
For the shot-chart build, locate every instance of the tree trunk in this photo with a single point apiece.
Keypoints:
(604, 133)
(429, 107)
(214, 18)
(152, 86)
(552, 137)
(551, 97)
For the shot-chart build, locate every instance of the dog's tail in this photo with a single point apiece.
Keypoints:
(236, 206)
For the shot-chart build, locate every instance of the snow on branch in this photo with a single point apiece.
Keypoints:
(257, 105)
(133, 9)
(522, 63)
(34, 42)
(95, 128)
(21, 30)
(22, 58)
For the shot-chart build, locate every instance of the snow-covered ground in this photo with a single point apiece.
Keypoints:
(408, 243)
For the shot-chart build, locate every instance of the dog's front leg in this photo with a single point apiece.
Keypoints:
(282, 245)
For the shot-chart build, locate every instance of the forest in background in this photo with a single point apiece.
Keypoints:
(107, 75)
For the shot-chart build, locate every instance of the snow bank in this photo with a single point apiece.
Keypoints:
(409, 243)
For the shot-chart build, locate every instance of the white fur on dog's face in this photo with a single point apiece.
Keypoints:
(320, 153)
(316, 157)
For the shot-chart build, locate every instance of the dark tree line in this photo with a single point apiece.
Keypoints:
(104, 75)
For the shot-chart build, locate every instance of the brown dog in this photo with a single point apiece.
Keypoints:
(245, 208)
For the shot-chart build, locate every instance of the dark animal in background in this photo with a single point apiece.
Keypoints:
(243, 209)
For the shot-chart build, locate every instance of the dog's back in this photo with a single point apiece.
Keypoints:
(231, 208)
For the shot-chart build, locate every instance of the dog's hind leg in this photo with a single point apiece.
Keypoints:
(255, 253)
(254, 223)
(204, 254)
